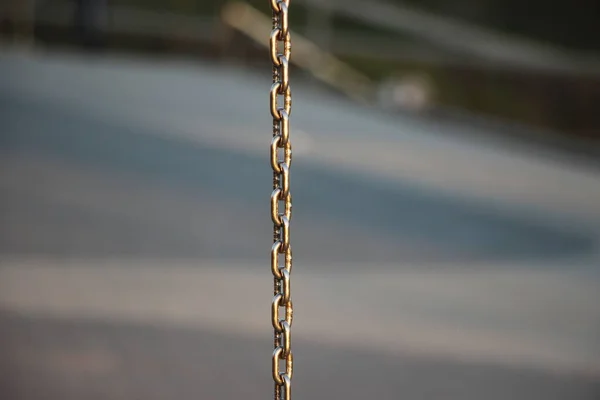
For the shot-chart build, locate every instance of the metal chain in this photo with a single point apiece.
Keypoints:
(281, 200)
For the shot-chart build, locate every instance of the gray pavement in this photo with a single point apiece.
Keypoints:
(404, 214)
(93, 360)
(117, 160)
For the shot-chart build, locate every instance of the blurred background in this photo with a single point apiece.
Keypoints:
(446, 185)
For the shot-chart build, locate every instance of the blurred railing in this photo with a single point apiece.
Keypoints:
(496, 49)
(455, 42)
(321, 64)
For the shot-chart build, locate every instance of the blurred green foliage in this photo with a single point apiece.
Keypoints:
(572, 24)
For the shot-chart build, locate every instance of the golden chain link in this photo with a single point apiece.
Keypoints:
(280, 104)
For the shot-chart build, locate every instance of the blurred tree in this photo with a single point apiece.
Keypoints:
(573, 24)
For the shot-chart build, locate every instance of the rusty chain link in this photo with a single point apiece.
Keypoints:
(280, 104)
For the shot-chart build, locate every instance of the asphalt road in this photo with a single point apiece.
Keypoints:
(118, 160)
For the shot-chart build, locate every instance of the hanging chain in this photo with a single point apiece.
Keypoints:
(281, 200)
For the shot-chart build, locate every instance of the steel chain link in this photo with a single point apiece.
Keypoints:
(280, 104)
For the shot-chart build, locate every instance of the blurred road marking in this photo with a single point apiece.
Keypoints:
(543, 319)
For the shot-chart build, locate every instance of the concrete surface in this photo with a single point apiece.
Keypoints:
(136, 232)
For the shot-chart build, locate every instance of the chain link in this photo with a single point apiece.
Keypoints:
(280, 104)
